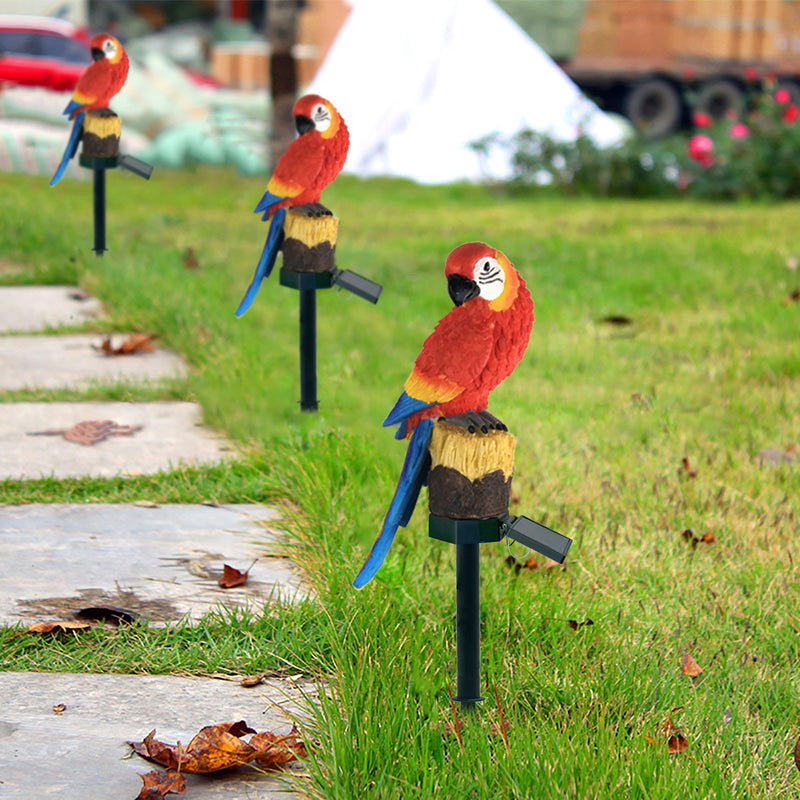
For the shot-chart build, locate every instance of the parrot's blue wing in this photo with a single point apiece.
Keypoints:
(266, 203)
(72, 146)
(402, 506)
(405, 407)
(266, 262)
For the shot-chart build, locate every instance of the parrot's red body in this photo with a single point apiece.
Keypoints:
(103, 78)
(472, 350)
(309, 164)
(480, 341)
(314, 158)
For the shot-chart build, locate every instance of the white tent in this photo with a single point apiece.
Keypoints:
(418, 80)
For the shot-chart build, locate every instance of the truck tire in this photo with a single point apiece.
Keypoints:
(718, 96)
(654, 106)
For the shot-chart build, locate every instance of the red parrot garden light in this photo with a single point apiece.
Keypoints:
(309, 164)
(462, 451)
(304, 229)
(94, 123)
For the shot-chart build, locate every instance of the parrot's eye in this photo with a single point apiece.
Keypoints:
(489, 276)
(321, 117)
(109, 47)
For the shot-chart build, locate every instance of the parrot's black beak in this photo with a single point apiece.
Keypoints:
(461, 289)
(97, 54)
(303, 124)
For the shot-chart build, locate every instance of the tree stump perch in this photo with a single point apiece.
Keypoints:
(101, 132)
(470, 474)
(309, 243)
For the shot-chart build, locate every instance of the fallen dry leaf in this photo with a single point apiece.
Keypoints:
(574, 624)
(530, 563)
(617, 319)
(706, 538)
(676, 744)
(251, 680)
(91, 432)
(189, 258)
(686, 469)
(59, 709)
(792, 297)
(135, 343)
(797, 754)
(690, 667)
(159, 784)
(57, 626)
(676, 741)
(233, 577)
(218, 747)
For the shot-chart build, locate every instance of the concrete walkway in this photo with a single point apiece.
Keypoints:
(75, 361)
(81, 753)
(33, 308)
(171, 434)
(160, 562)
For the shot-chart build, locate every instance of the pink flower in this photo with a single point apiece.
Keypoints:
(701, 119)
(791, 114)
(701, 150)
(783, 96)
(751, 74)
(739, 131)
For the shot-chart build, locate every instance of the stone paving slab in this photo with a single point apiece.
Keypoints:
(172, 434)
(81, 753)
(54, 362)
(162, 562)
(33, 308)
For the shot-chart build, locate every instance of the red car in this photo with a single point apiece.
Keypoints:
(42, 51)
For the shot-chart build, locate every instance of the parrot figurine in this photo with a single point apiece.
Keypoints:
(472, 350)
(309, 164)
(102, 80)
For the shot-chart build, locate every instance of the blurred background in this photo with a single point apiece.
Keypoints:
(433, 90)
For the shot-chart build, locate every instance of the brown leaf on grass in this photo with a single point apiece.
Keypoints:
(218, 747)
(690, 667)
(251, 680)
(574, 624)
(686, 469)
(56, 626)
(233, 577)
(530, 563)
(706, 538)
(617, 319)
(797, 754)
(135, 343)
(159, 784)
(189, 258)
(676, 741)
(59, 709)
(792, 297)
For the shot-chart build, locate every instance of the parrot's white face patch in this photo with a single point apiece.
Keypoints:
(321, 117)
(490, 277)
(109, 49)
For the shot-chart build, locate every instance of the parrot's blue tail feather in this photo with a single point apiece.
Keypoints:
(266, 203)
(402, 506)
(72, 147)
(266, 262)
(405, 407)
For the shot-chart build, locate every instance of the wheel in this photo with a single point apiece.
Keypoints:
(654, 106)
(718, 96)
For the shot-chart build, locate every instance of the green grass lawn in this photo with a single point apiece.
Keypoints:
(709, 370)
